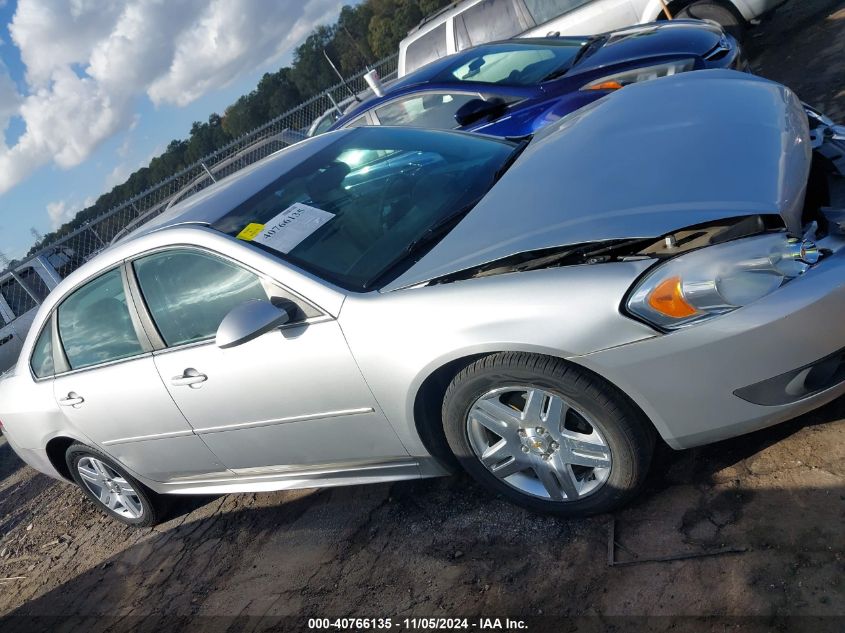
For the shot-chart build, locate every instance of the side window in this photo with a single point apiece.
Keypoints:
(426, 49)
(325, 123)
(18, 299)
(42, 353)
(545, 10)
(94, 323)
(189, 293)
(358, 122)
(433, 110)
(489, 21)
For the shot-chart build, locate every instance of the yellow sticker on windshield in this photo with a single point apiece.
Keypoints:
(250, 231)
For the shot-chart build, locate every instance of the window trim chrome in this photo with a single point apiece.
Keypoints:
(50, 323)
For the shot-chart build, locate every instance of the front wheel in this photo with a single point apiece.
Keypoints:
(546, 434)
(730, 21)
(112, 489)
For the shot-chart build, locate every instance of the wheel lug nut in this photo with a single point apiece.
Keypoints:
(554, 445)
(540, 430)
(522, 432)
(524, 449)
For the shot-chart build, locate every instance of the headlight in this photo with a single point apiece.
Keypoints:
(718, 279)
(620, 80)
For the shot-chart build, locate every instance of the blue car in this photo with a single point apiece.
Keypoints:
(514, 87)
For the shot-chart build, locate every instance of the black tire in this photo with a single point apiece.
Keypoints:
(153, 505)
(730, 21)
(628, 435)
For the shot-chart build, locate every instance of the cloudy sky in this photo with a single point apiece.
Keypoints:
(90, 90)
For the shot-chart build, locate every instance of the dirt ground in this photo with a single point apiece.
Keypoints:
(446, 548)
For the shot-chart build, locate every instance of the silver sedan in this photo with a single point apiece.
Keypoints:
(381, 304)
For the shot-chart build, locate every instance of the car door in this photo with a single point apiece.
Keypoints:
(107, 385)
(292, 398)
(579, 17)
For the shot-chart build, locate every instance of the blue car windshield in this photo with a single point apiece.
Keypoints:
(357, 211)
(514, 63)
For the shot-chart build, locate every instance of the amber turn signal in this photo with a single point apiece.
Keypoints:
(606, 85)
(667, 298)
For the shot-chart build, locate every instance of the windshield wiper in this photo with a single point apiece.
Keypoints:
(560, 72)
(431, 236)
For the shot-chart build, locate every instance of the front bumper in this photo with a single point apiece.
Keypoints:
(686, 381)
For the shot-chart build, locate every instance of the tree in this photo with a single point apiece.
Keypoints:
(362, 34)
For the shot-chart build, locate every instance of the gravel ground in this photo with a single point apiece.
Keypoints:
(446, 548)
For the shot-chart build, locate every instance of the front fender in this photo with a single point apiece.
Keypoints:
(400, 338)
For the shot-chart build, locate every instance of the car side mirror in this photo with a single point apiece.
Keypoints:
(248, 321)
(476, 109)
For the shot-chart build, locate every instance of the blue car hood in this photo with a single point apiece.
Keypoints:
(659, 40)
(647, 160)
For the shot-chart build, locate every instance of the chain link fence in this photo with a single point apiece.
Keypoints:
(19, 288)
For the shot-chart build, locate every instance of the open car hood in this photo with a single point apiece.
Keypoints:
(647, 160)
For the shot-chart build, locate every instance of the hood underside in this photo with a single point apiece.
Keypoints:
(647, 160)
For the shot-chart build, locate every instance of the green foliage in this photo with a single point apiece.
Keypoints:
(362, 35)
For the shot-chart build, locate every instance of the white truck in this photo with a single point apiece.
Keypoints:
(472, 22)
(22, 289)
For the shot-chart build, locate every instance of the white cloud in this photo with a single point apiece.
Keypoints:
(87, 62)
(52, 34)
(213, 50)
(60, 212)
(10, 100)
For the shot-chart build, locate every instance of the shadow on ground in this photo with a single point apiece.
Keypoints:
(445, 547)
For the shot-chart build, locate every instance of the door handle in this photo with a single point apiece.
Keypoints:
(189, 378)
(72, 400)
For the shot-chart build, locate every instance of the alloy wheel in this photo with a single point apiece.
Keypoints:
(539, 443)
(110, 488)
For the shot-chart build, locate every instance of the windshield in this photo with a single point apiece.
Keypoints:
(349, 212)
(514, 64)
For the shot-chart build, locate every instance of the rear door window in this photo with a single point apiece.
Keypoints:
(488, 21)
(432, 110)
(42, 353)
(426, 49)
(94, 323)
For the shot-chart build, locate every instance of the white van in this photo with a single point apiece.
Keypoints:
(22, 290)
(472, 22)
